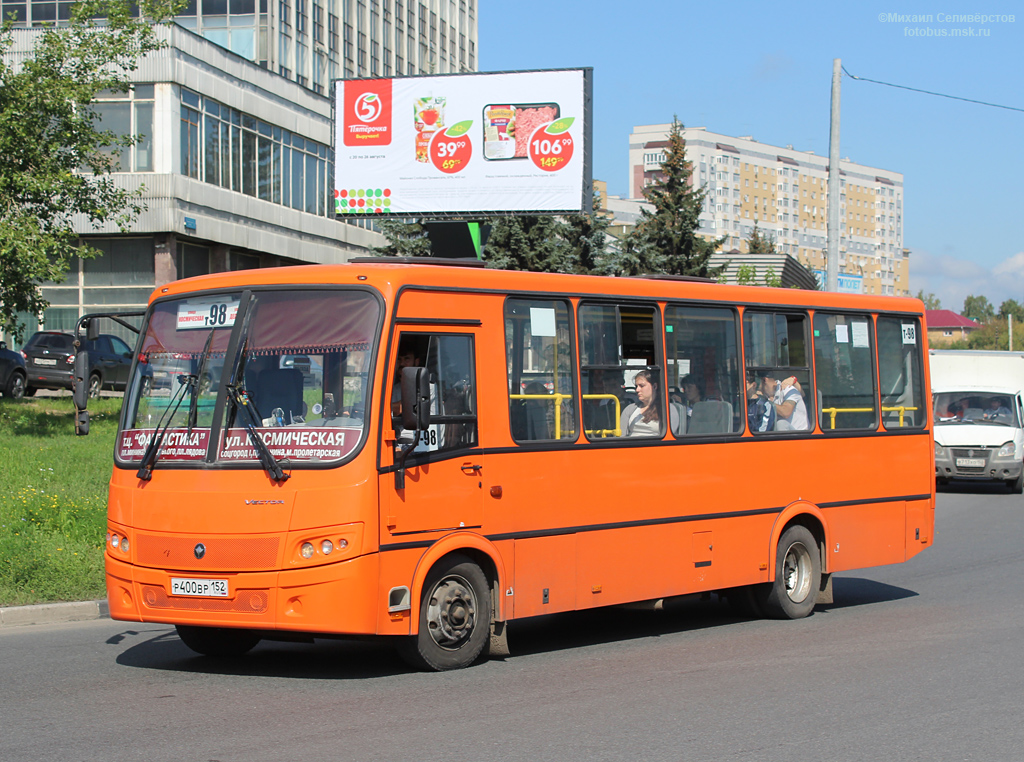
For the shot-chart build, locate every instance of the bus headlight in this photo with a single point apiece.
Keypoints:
(326, 547)
(1006, 451)
(307, 550)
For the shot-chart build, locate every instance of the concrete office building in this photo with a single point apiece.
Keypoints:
(784, 191)
(315, 41)
(237, 161)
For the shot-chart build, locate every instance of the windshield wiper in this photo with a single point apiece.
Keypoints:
(145, 472)
(193, 403)
(267, 459)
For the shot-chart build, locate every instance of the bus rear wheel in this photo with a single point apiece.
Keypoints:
(217, 641)
(797, 576)
(455, 617)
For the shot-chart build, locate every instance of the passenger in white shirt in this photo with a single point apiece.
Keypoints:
(790, 409)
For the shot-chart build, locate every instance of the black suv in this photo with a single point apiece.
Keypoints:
(50, 359)
(12, 372)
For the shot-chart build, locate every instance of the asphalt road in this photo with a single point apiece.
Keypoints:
(920, 661)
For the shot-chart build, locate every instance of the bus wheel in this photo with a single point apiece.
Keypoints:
(455, 617)
(797, 576)
(217, 641)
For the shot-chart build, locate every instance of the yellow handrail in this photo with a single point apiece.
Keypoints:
(832, 411)
(617, 431)
(557, 399)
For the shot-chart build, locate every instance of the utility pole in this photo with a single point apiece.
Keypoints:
(832, 259)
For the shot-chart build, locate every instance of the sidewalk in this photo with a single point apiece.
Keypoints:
(53, 613)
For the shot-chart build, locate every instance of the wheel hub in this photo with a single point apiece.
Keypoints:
(451, 612)
(796, 571)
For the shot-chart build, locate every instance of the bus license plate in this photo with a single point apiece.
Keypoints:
(205, 588)
(970, 462)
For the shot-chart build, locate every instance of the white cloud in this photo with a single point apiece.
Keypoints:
(953, 279)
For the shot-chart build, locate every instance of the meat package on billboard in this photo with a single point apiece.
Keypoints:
(485, 143)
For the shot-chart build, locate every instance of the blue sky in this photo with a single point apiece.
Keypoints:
(746, 68)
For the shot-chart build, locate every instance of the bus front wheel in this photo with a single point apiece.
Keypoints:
(217, 641)
(455, 617)
(797, 576)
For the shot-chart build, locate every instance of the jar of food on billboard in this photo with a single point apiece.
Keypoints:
(428, 115)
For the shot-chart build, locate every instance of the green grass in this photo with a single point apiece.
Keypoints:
(53, 498)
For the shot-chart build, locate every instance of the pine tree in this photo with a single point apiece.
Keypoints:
(405, 239)
(531, 242)
(761, 243)
(666, 240)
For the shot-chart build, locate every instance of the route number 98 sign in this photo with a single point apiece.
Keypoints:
(207, 313)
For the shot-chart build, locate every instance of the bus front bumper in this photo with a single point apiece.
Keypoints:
(334, 598)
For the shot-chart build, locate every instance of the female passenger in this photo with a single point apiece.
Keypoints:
(643, 418)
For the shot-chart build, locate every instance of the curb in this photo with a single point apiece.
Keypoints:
(53, 613)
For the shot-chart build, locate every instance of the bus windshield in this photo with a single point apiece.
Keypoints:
(299, 363)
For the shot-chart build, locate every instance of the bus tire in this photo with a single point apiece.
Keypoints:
(455, 617)
(797, 576)
(217, 641)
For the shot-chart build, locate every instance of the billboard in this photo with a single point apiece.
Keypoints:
(463, 144)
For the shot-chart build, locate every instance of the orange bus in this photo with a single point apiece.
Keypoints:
(425, 451)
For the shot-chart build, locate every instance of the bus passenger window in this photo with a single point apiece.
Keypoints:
(702, 363)
(541, 361)
(844, 363)
(899, 370)
(775, 345)
(624, 390)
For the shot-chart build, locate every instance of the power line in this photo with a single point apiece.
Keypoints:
(929, 92)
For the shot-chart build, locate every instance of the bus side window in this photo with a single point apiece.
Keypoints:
(845, 371)
(899, 371)
(541, 362)
(775, 345)
(617, 341)
(703, 369)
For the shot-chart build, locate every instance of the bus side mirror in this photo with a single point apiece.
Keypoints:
(80, 392)
(92, 330)
(415, 399)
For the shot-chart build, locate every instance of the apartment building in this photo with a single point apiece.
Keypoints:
(785, 193)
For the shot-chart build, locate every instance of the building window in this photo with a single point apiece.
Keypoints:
(125, 114)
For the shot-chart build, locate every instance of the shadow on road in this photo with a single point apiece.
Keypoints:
(325, 659)
(330, 659)
(967, 487)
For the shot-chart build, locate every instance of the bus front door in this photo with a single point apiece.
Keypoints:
(443, 479)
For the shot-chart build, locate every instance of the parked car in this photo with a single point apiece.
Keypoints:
(50, 361)
(12, 372)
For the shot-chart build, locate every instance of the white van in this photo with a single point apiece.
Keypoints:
(977, 397)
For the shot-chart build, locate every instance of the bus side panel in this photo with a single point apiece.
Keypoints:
(866, 535)
(545, 569)
(638, 563)
(920, 526)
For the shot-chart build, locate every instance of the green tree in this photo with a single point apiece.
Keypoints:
(977, 308)
(746, 275)
(931, 301)
(405, 239)
(666, 240)
(761, 243)
(771, 279)
(1012, 307)
(55, 159)
(530, 242)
